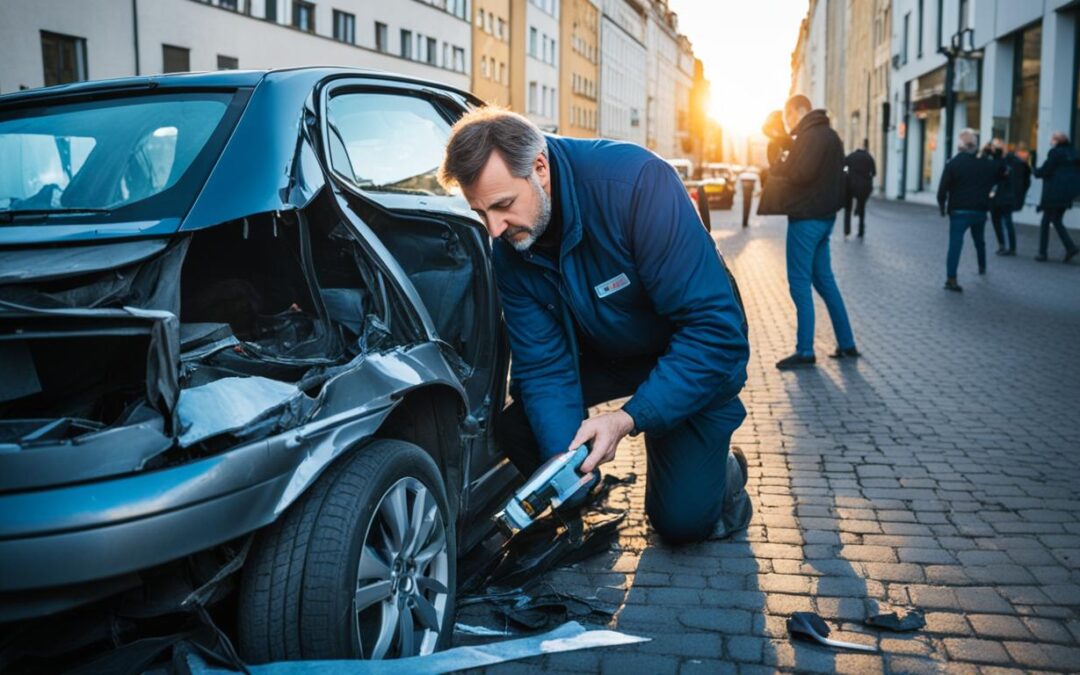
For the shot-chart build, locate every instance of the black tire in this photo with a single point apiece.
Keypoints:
(297, 592)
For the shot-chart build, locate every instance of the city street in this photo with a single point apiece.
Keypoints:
(939, 471)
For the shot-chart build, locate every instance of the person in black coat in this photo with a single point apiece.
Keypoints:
(1061, 184)
(1020, 173)
(1002, 201)
(809, 186)
(964, 192)
(860, 183)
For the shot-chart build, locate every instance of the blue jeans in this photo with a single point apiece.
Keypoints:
(809, 264)
(959, 222)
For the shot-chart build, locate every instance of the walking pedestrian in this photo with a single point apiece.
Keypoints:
(1061, 184)
(1002, 203)
(810, 183)
(1022, 177)
(747, 183)
(964, 192)
(860, 183)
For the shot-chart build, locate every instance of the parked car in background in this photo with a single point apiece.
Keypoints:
(719, 182)
(252, 351)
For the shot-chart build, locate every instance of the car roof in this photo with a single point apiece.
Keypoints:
(209, 80)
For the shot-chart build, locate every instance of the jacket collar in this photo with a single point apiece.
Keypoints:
(569, 207)
(813, 118)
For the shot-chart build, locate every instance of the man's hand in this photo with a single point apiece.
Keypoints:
(605, 431)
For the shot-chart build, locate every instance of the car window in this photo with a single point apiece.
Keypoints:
(387, 142)
(105, 154)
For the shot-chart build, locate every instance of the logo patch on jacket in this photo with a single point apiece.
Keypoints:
(612, 286)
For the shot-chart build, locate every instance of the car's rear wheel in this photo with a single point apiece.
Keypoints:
(362, 566)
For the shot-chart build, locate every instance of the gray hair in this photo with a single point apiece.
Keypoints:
(472, 140)
(969, 140)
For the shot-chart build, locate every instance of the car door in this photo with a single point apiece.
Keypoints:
(384, 141)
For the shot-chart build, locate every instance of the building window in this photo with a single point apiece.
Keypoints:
(382, 37)
(919, 29)
(532, 97)
(271, 10)
(227, 62)
(432, 51)
(63, 57)
(480, 19)
(227, 4)
(459, 59)
(533, 36)
(406, 44)
(303, 16)
(345, 27)
(175, 59)
(907, 37)
(1024, 123)
(501, 29)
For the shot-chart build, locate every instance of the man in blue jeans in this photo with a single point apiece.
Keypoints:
(964, 191)
(812, 183)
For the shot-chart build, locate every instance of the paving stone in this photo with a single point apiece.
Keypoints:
(999, 626)
(978, 651)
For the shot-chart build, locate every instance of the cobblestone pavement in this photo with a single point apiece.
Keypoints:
(938, 471)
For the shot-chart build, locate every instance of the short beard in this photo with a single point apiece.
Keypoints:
(540, 221)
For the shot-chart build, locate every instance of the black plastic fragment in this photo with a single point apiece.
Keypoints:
(900, 622)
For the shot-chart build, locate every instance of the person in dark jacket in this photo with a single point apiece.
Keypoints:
(1002, 202)
(1020, 172)
(860, 183)
(779, 142)
(1061, 184)
(810, 185)
(610, 288)
(964, 192)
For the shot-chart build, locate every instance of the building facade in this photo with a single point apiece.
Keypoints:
(491, 51)
(808, 62)
(541, 71)
(866, 80)
(580, 69)
(662, 51)
(1017, 78)
(623, 70)
(684, 99)
(46, 42)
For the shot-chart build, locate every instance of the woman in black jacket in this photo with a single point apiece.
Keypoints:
(1061, 184)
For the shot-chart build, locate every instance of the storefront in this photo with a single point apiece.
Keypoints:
(1027, 64)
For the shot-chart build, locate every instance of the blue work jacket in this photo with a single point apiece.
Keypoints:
(639, 276)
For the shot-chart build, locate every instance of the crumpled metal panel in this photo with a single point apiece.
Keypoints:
(228, 404)
(267, 165)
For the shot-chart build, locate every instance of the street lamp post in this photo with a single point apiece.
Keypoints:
(955, 50)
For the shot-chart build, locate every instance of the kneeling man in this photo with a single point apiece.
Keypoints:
(610, 288)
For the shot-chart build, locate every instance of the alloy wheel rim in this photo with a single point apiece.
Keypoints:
(401, 583)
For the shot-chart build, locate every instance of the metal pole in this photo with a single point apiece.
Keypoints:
(135, 27)
(950, 102)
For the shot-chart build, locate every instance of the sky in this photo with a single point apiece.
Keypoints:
(746, 48)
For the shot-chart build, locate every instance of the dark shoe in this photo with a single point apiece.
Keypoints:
(796, 361)
(1001, 250)
(1012, 251)
(1040, 258)
(1071, 254)
(953, 286)
(737, 508)
(982, 270)
(850, 353)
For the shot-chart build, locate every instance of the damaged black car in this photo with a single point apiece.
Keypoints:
(251, 356)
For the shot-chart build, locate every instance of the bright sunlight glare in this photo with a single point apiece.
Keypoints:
(746, 48)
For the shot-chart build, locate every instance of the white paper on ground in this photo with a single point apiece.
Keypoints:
(568, 637)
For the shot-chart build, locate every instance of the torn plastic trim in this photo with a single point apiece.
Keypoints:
(163, 328)
(45, 264)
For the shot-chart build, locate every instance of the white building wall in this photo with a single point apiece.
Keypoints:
(662, 53)
(817, 43)
(542, 63)
(995, 23)
(623, 78)
(209, 31)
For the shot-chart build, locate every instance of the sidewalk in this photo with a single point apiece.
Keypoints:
(939, 471)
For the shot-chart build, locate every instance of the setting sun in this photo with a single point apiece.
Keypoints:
(746, 49)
